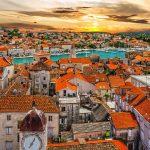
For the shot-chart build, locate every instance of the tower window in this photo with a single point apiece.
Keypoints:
(8, 117)
(8, 130)
(50, 118)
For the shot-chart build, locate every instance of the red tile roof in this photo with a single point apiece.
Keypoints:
(107, 144)
(94, 78)
(144, 109)
(102, 86)
(123, 120)
(49, 62)
(137, 99)
(63, 82)
(112, 66)
(139, 58)
(75, 60)
(24, 103)
(39, 66)
(3, 48)
(116, 81)
(70, 76)
(3, 63)
(63, 85)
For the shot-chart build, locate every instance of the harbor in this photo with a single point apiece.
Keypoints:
(80, 54)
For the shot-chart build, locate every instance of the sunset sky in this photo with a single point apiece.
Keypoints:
(76, 15)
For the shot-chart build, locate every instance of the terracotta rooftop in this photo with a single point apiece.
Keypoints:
(144, 109)
(3, 48)
(63, 82)
(70, 76)
(112, 66)
(90, 145)
(123, 120)
(94, 78)
(39, 66)
(3, 62)
(62, 85)
(116, 81)
(24, 103)
(17, 88)
(49, 62)
(137, 99)
(102, 86)
(75, 60)
(72, 70)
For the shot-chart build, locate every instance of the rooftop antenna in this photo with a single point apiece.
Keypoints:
(33, 105)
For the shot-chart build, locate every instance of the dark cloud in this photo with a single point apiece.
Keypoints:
(129, 8)
(27, 26)
(38, 13)
(127, 19)
(58, 13)
(83, 7)
(64, 10)
(120, 8)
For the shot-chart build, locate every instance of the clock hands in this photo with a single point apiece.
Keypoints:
(32, 143)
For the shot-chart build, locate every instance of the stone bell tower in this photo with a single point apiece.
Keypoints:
(33, 130)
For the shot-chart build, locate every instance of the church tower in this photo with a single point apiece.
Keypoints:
(73, 52)
(33, 131)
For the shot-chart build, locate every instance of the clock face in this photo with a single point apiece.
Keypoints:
(32, 142)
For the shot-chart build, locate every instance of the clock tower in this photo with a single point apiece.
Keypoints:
(33, 131)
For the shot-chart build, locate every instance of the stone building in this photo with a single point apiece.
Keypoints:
(13, 110)
(33, 130)
(125, 127)
(6, 71)
(93, 130)
(68, 90)
(40, 78)
(142, 113)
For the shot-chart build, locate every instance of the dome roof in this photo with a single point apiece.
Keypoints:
(35, 120)
(94, 58)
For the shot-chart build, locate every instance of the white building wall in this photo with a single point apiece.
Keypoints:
(144, 129)
(83, 86)
(10, 70)
(68, 91)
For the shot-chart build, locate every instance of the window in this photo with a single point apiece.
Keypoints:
(124, 135)
(50, 118)
(9, 145)
(44, 85)
(8, 117)
(62, 120)
(8, 130)
(18, 138)
(63, 109)
(19, 124)
(44, 78)
(65, 92)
